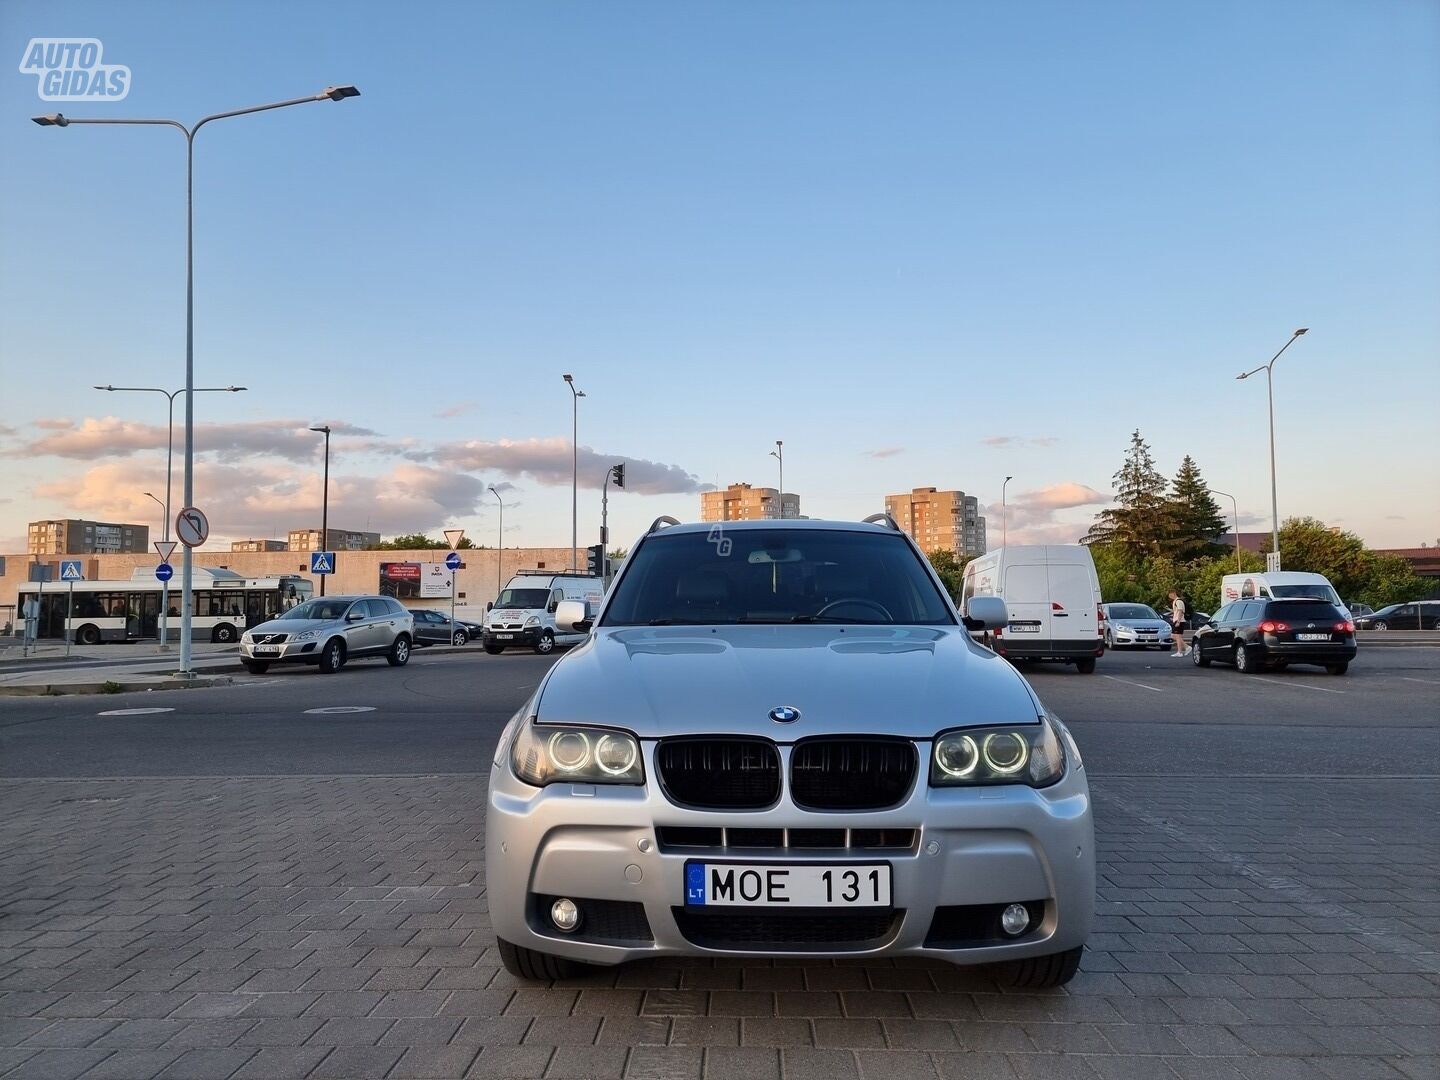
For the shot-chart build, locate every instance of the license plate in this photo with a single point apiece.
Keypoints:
(1024, 628)
(504, 637)
(267, 650)
(1312, 637)
(752, 885)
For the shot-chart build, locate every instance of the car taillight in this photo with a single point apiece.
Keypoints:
(1268, 627)
(1099, 621)
(1346, 627)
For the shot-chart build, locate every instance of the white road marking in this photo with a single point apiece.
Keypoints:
(1427, 682)
(1296, 685)
(133, 712)
(1131, 682)
(331, 710)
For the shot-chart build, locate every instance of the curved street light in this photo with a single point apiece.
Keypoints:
(1269, 368)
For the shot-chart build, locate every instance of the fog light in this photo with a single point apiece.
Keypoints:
(566, 916)
(1013, 920)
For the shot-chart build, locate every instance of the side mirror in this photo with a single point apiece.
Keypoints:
(354, 616)
(489, 605)
(986, 613)
(550, 607)
(572, 616)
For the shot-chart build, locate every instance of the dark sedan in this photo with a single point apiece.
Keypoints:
(1258, 634)
(1421, 615)
(435, 628)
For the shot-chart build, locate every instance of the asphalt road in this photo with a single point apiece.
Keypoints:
(1140, 714)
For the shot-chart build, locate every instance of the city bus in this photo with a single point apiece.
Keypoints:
(223, 604)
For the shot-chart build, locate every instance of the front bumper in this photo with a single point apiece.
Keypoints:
(984, 846)
(1123, 635)
(527, 636)
(292, 652)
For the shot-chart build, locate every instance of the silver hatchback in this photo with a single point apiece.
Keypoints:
(330, 631)
(780, 740)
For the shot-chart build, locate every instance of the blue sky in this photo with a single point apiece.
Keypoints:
(924, 244)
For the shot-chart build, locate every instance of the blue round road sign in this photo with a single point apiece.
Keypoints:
(164, 571)
(452, 561)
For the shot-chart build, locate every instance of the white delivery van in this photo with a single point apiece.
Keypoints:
(1281, 585)
(1052, 594)
(524, 612)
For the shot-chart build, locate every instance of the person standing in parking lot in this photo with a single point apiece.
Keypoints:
(1177, 624)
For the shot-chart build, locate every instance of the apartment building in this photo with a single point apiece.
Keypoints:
(741, 502)
(940, 520)
(261, 545)
(338, 540)
(76, 536)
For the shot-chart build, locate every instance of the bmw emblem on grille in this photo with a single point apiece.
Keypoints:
(784, 714)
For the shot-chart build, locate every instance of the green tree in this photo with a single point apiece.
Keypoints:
(951, 568)
(1144, 522)
(411, 542)
(1391, 581)
(1309, 544)
(1198, 522)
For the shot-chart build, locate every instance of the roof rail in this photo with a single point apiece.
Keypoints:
(881, 519)
(663, 519)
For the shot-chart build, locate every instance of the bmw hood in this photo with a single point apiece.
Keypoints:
(908, 681)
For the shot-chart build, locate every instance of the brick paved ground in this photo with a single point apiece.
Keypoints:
(289, 927)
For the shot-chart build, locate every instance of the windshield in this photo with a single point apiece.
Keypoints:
(1131, 611)
(523, 598)
(1313, 592)
(776, 576)
(318, 609)
(1302, 609)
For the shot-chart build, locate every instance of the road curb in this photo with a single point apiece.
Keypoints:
(109, 687)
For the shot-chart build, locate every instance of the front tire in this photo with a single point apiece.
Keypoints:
(89, 635)
(1196, 658)
(460, 638)
(223, 634)
(542, 967)
(1042, 972)
(546, 645)
(1338, 669)
(256, 667)
(493, 649)
(1381, 625)
(1085, 667)
(332, 657)
(399, 654)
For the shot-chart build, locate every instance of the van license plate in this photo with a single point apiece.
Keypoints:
(769, 886)
(1024, 628)
(504, 637)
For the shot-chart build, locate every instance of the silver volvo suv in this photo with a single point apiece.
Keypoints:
(779, 739)
(330, 631)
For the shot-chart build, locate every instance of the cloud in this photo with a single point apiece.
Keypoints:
(1018, 442)
(261, 498)
(458, 409)
(110, 437)
(885, 451)
(548, 462)
(1033, 515)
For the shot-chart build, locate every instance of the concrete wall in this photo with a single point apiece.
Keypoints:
(356, 572)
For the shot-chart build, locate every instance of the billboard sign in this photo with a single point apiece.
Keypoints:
(400, 580)
(435, 580)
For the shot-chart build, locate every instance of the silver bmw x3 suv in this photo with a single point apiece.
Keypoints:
(779, 739)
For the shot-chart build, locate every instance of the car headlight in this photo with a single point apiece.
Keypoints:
(545, 754)
(1031, 754)
(533, 620)
(305, 636)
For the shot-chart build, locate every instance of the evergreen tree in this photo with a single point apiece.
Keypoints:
(1144, 520)
(1198, 522)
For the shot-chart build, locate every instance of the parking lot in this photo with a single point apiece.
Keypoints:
(284, 878)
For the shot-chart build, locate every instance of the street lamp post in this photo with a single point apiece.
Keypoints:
(1235, 511)
(575, 396)
(170, 396)
(1004, 513)
(325, 502)
(330, 93)
(500, 540)
(779, 455)
(1268, 368)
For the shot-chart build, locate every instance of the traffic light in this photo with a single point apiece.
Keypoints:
(595, 559)
(618, 471)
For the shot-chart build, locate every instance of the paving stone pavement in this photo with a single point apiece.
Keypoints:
(336, 927)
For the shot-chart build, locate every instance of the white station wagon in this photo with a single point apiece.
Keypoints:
(779, 739)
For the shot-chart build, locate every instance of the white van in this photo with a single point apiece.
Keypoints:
(1052, 594)
(1281, 585)
(524, 612)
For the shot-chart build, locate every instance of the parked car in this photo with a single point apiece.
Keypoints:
(1193, 620)
(785, 743)
(329, 632)
(1416, 615)
(1359, 611)
(435, 628)
(1052, 593)
(1135, 625)
(1256, 634)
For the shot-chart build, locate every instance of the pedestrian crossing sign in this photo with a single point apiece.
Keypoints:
(70, 570)
(322, 562)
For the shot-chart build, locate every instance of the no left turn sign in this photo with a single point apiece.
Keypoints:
(192, 527)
